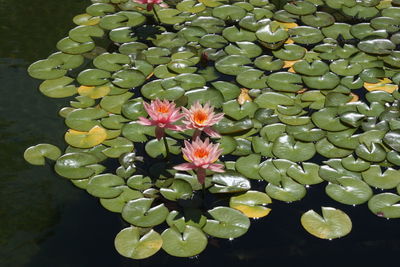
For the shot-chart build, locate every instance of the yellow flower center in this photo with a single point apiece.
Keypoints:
(163, 109)
(200, 117)
(201, 153)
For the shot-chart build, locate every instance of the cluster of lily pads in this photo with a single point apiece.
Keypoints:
(310, 93)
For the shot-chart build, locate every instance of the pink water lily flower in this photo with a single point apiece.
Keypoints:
(201, 156)
(150, 3)
(163, 114)
(201, 118)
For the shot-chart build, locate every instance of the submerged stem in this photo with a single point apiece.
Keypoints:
(166, 146)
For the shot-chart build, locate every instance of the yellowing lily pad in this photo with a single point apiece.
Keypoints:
(251, 203)
(334, 223)
(383, 85)
(79, 139)
(94, 92)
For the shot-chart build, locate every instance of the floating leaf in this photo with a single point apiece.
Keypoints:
(288, 191)
(179, 189)
(251, 203)
(229, 182)
(131, 243)
(226, 223)
(187, 244)
(36, 155)
(93, 137)
(385, 205)
(350, 191)
(334, 223)
(384, 180)
(139, 212)
(105, 186)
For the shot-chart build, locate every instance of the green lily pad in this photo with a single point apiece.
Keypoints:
(326, 81)
(76, 165)
(249, 166)
(228, 12)
(155, 148)
(139, 182)
(105, 186)
(84, 119)
(114, 103)
(334, 223)
(232, 64)
(46, 69)
(350, 191)
(287, 148)
(377, 46)
(318, 19)
(36, 155)
(288, 52)
(137, 132)
(139, 212)
(268, 63)
(355, 165)
(251, 203)
(229, 182)
(328, 150)
(384, 180)
(285, 81)
(58, 88)
(69, 46)
(179, 189)
(132, 243)
(287, 191)
(272, 33)
(117, 147)
(385, 205)
(315, 68)
(327, 119)
(226, 223)
(392, 139)
(189, 216)
(271, 100)
(306, 35)
(306, 174)
(187, 244)
(158, 89)
(300, 8)
(118, 203)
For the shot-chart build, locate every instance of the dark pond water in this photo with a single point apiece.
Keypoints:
(46, 222)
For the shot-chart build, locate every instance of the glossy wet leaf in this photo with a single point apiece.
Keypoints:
(58, 88)
(139, 212)
(156, 148)
(307, 173)
(249, 166)
(287, 148)
(81, 139)
(105, 186)
(350, 191)
(36, 155)
(179, 189)
(385, 205)
(376, 177)
(251, 203)
(333, 223)
(117, 147)
(229, 182)
(226, 223)
(132, 243)
(187, 244)
(287, 191)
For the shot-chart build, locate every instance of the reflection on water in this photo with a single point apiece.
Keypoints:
(46, 222)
